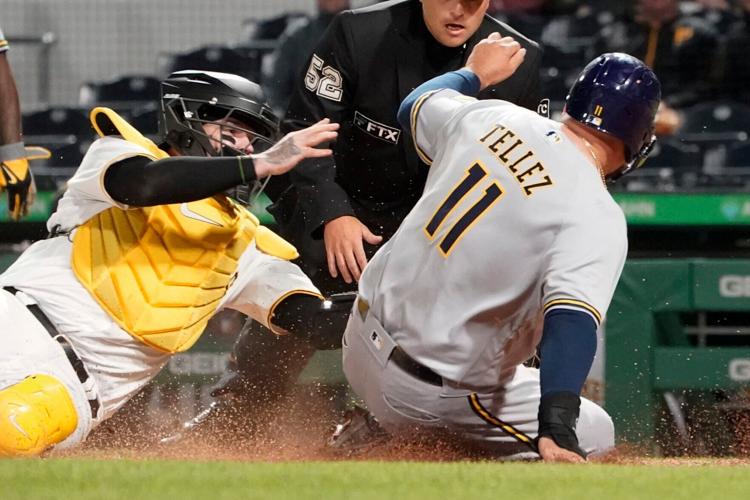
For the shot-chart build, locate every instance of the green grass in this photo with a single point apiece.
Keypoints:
(82, 479)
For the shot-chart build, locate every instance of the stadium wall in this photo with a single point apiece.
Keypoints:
(95, 42)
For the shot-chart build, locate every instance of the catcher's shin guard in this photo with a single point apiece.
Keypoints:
(35, 414)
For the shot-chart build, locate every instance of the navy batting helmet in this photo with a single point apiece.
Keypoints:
(618, 94)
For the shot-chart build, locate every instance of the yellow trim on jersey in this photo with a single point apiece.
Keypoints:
(485, 415)
(576, 303)
(271, 311)
(3, 43)
(413, 119)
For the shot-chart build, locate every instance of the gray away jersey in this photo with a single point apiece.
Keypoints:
(514, 221)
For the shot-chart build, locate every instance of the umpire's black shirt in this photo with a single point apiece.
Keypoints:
(366, 63)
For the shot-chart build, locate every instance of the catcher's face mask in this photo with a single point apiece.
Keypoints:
(219, 131)
(230, 137)
(205, 113)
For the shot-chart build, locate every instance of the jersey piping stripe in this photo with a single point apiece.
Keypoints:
(485, 415)
(272, 310)
(414, 112)
(575, 303)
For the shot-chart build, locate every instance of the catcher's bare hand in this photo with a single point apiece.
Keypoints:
(551, 452)
(495, 59)
(345, 252)
(295, 147)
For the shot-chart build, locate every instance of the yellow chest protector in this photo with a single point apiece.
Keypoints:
(160, 272)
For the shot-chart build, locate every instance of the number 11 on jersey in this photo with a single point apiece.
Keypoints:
(492, 193)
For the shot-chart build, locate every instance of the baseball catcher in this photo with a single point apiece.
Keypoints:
(147, 244)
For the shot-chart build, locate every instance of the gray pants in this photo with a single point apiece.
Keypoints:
(501, 422)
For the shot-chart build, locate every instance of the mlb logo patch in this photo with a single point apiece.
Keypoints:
(553, 137)
(595, 120)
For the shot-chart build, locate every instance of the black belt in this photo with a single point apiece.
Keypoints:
(73, 359)
(401, 359)
(409, 365)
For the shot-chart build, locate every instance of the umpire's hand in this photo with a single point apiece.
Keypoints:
(345, 252)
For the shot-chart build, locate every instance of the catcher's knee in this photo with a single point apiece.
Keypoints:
(36, 413)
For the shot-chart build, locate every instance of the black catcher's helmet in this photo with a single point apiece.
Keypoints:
(190, 98)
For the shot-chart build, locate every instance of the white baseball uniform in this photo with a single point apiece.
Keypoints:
(119, 364)
(514, 222)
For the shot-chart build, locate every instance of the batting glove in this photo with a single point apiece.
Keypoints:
(16, 177)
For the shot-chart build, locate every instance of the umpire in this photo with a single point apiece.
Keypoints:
(338, 211)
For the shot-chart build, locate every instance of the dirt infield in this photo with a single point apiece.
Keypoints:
(296, 429)
(296, 450)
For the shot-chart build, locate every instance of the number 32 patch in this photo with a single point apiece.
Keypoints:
(324, 80)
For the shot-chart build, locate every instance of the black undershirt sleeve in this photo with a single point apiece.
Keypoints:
(139, 181)
(320, 322)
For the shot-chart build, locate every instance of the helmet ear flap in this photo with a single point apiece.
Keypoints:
(179, 128)
(637, 160)
(641, 156)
